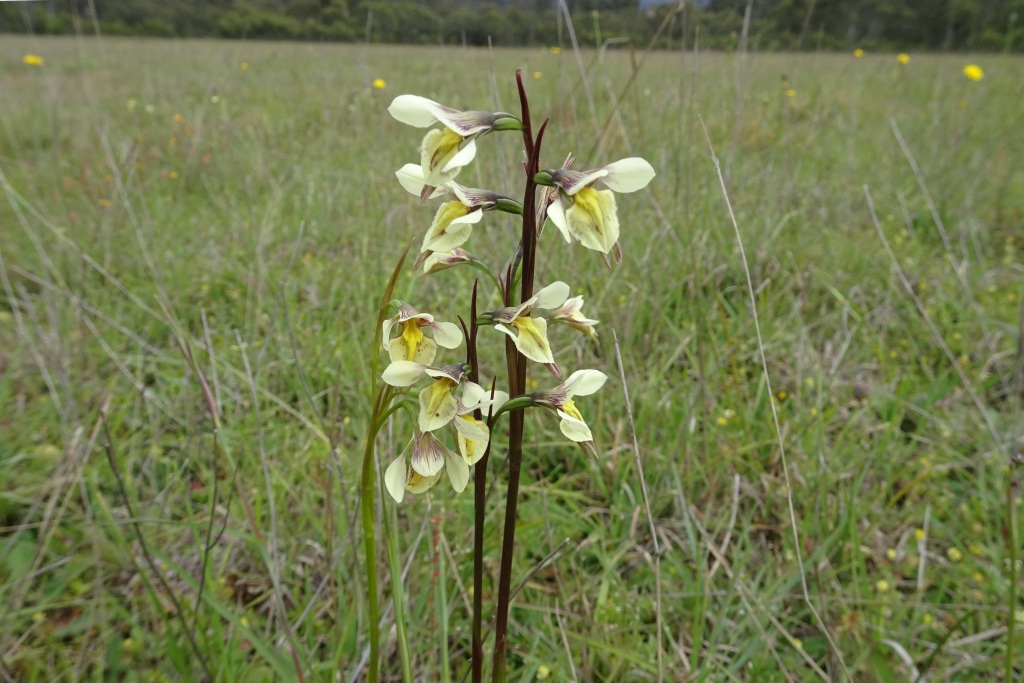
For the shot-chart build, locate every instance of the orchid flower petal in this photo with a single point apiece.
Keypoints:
(628, 175)
(395, 477)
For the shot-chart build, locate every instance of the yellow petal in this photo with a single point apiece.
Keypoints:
(451, 227)
(473, 437)
(418, 483)
(437, 405)
(572, 424)
(532, 340)
(437, 149)
(412, 345)
(593, 219)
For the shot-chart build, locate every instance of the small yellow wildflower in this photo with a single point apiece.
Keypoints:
(978, 577)
(974, 72)
(791, 93)
(537, 74)
(32, 60)
(173, 175)
(903, 58)
(814, 411)
(379, 83)
(782, 395)
(178, 118)
(882, 586)
(798, 644)
(809, 382)
(244, 66)
(974, 549)
(244, 622)
(38, 616)
(106, 203)
(555, 50)
(919, 534)
(543, 672)
(215, 99)
(858, 53)
(890, 554)
(954, 555)
(722, 421)
(927, 618)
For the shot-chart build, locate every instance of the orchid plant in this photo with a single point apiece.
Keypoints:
(453, 415)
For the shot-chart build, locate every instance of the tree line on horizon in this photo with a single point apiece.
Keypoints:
(977, 25)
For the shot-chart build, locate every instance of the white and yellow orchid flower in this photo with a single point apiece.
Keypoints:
(589, 215)
(438, 405)
(560, 400)
(436, 261)
(531, 334)
(453, 223)
(423, 469)
(473, 434)
(411, 344)
(571, 313)
(445, 151)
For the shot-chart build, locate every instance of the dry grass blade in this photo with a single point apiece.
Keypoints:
(797, 550)
(647, 503)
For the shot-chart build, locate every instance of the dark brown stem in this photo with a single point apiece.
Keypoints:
(479, 508)
(517, 384)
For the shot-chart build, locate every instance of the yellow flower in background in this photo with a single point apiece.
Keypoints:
(858, 52)
(974, 72)
(537, 74)
(244, 66)
(379, 83)
(903, 58)
(791, 93)
(555, 50)
(32, 60)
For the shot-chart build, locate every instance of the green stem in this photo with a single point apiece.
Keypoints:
(397, 589)
(367, 497)
(367, 500)
(1011, 622)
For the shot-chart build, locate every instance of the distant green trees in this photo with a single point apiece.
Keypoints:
(988, 25)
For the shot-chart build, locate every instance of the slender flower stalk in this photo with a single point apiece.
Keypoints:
(516, 362)
(454, 426)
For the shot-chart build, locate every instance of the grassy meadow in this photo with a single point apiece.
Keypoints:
(199, 228)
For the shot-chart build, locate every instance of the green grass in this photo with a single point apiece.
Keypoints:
(245, 244)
